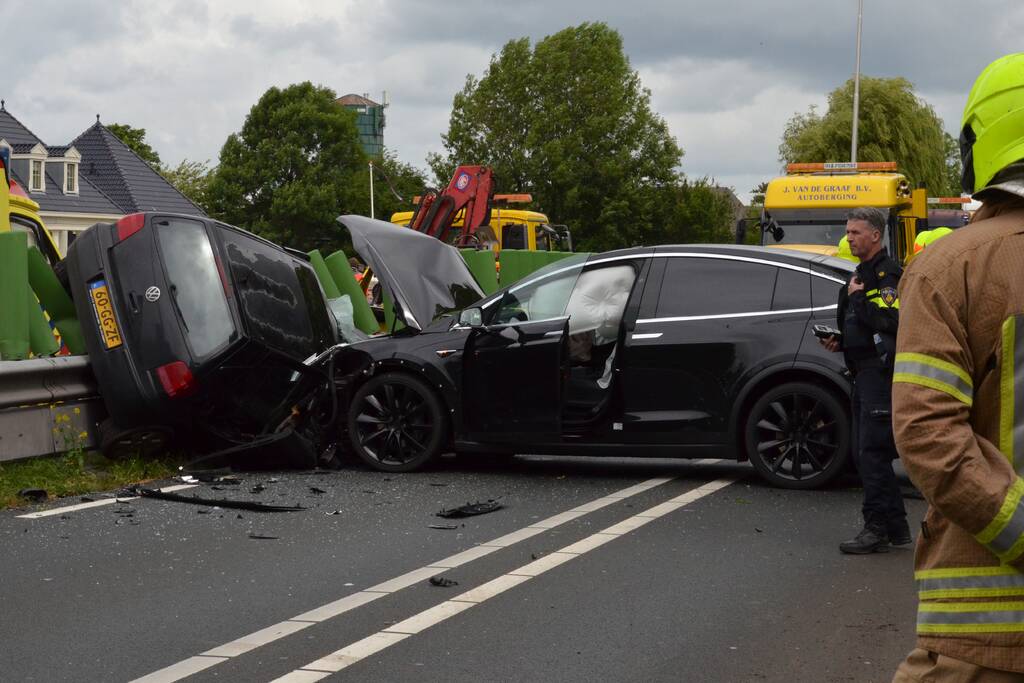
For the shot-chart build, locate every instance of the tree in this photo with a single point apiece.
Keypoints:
(570, 123)
(192, 179)
(394, 185)
(894, 125)
(701, 211)
(135, 138)
(292, 169)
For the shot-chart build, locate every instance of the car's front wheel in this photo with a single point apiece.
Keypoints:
(798, 436)
(396, 423)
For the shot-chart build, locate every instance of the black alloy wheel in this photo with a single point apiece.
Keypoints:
(396, 423)
(798, 436)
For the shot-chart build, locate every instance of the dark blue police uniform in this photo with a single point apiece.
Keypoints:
(868, 320)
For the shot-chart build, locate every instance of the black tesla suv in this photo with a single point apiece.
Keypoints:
(676, 350)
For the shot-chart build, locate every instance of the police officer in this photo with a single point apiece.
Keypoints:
(868, 316)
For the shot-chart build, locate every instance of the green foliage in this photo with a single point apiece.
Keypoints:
(390, 177)
(77, 472)
(570, 123)
(894, 125)
(192, 179)
(135, 138)
(699, 212)
(292, 169)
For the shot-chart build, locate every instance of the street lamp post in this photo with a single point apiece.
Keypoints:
(371, 190)
(856, 83)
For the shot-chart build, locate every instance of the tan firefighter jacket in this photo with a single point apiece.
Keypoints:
(958, 416)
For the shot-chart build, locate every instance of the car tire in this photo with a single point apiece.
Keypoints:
(146, 441)
(797, 436)
(396, 423)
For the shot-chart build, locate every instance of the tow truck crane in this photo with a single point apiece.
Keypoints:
(469, 214)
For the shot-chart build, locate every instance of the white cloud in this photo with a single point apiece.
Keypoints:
(725, 76)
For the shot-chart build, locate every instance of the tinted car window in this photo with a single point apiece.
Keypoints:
(271, 294)
(538, 298)
(709, 286)
(792, 290)
(195, 285)
(824, 291)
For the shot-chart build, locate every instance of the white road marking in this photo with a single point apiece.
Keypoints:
(352, 601)
(97, 503)
(418, 623)
(257, 639)
(182, 669)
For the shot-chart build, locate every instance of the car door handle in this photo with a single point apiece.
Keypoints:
(444, 353)
(646, 335)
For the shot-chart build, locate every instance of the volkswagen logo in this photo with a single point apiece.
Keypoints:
(152, 294)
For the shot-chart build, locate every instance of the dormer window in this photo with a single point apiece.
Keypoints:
(71, 178)
(36, 183)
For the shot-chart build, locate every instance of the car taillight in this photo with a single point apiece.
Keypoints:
(129, 225)
(177, 379)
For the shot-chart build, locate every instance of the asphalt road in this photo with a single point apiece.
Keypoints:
(665, 571)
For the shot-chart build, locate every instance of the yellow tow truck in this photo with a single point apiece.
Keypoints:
(21, 214)
(511, 229)
(806, 208)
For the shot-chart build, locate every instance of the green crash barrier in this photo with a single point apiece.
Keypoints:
(343, 277)
(40, 337)
(515, 265)
(481, 265)
(324, 275)
(55, 300)
(389, 314)
(14, 296)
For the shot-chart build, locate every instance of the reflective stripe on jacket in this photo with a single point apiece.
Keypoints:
(958, 416)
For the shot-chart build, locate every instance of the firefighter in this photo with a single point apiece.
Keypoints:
(958, 400)
(844, 251)
(868, 314)
(926, 237)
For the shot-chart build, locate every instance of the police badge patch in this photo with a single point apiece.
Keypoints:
(888, 295)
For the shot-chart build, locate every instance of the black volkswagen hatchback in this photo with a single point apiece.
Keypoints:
(195, 323)
(690, 350)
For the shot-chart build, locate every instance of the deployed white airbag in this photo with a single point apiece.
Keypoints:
(598, 301)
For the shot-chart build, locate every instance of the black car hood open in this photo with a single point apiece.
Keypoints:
(422, 274)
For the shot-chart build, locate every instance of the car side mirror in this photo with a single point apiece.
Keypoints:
(775, 230)
(472, 317)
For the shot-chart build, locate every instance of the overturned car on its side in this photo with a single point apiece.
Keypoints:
(689, 350)
(199, 329)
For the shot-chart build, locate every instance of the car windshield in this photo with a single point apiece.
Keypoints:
(195, 285)
(806, 226)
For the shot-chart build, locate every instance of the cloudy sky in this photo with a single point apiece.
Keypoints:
(726, 75)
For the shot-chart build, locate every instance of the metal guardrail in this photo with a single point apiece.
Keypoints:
(47, 406)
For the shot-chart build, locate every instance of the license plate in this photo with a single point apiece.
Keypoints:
(105, 314)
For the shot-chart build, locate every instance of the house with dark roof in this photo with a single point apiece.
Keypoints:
(96, 178)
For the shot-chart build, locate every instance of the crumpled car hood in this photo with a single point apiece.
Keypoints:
(423, 275)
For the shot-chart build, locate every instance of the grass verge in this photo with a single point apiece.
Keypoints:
(76, 473)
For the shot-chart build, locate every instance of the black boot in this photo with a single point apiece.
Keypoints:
(871, 539)
(899, 531)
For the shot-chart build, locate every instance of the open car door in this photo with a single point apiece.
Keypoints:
(515, 365)
(513, 381)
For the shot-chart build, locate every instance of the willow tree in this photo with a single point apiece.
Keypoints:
(894, 125)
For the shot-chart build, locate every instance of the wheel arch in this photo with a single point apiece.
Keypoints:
(812, 373)
(436, 381)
